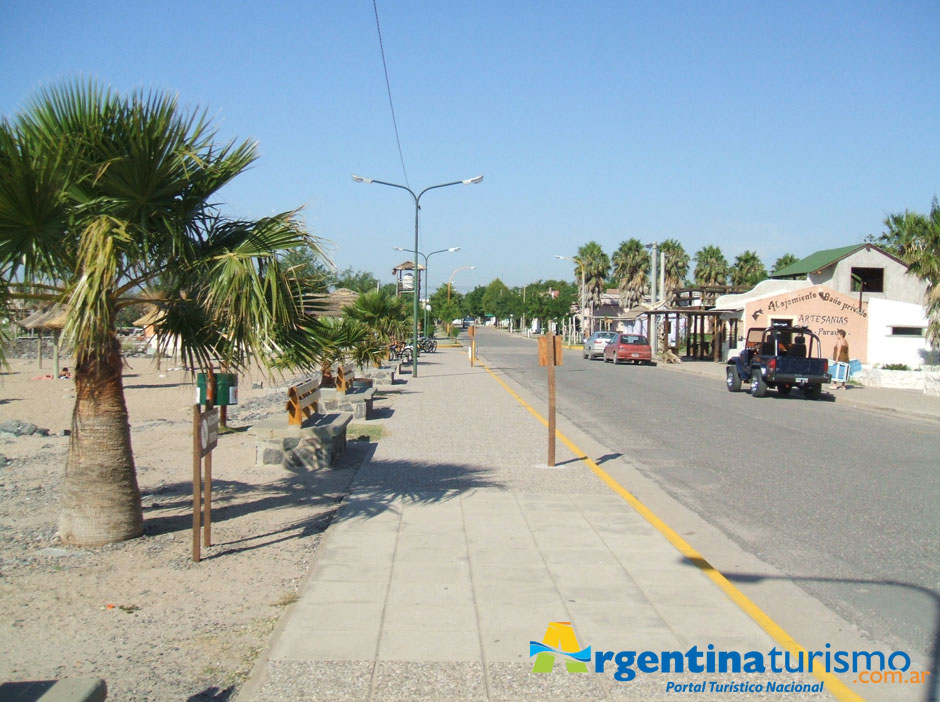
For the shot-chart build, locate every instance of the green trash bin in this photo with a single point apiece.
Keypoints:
(226, 389)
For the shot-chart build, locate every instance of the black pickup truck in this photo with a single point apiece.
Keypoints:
(780, 357)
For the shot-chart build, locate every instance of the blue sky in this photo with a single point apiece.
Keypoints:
(780, 127)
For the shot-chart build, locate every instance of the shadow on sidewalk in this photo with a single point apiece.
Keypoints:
(380, 484)
(932, 687)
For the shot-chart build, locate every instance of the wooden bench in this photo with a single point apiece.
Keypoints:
(344, 376)
(302, 401)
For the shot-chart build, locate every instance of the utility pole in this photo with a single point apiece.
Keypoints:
(654, 278)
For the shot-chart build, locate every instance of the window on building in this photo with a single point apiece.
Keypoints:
(868, 280)
(907, 331)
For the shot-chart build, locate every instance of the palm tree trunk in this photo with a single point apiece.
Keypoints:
(100, 497)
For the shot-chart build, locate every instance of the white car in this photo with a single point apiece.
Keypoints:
(595, 344)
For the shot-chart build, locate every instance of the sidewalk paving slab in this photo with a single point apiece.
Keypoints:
(457, 546)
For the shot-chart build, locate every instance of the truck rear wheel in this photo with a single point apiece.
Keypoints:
(758, 386)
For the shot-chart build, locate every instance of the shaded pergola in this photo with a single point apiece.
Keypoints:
(698, 345)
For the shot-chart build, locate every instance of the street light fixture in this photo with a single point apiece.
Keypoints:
(427, 288)
(451, 279)
(583, 287)
(417, 199)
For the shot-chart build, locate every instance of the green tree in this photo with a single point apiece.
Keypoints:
(596, 266)
(446, 310)
(496, 299)
(103, 195)
(308, 264)
(473, 302)
(711, 267)
(677, 266)
(550, 300)
(631, 265)
(915, 238)
(360, 281)
(787, 259)
(747, 269)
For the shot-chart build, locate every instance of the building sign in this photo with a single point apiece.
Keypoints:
(820, 308)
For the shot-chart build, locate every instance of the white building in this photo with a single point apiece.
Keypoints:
(862, 289)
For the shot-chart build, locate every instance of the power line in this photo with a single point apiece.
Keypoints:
(388, 89)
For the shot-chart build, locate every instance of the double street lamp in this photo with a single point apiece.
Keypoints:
(427, 288)
(417, 199)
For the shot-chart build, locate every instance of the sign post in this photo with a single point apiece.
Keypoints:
(472, 333)
(205, 438)
(550, 355)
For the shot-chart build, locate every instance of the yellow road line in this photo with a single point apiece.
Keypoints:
(833, 684)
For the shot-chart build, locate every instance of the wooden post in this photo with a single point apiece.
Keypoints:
(472, 333)
(55, 354)
(207, 527)
(551, 402)
(550, 355)
(197, 482)
(205, 437)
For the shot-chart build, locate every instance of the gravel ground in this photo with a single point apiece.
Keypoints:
(142, 614)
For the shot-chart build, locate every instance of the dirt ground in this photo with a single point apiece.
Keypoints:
(142, 614)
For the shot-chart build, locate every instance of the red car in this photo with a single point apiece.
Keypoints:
(627, 348)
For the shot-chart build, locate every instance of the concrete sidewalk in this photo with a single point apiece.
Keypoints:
(458, 547)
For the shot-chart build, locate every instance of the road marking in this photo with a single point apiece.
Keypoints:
(833, 684)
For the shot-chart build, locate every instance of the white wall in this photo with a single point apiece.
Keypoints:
(898, 283)
(883, 347)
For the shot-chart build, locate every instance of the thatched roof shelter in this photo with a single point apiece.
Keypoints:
(332, 305)
(152, 316)
(47, 318)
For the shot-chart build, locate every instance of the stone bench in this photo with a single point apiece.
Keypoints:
(310, 440)
(383, 375)
(356, 400)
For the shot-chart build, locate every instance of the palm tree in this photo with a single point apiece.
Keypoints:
(787, 259)
(748, 269)
(596, 266)
(631, 264)
(382, 313)
(343, 339)
(103, 195)
(916, 239)
(711, 267)
(677, 266)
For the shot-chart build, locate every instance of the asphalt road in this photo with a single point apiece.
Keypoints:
(842, 500)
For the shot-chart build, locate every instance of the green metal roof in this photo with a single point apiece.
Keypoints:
(815, 261)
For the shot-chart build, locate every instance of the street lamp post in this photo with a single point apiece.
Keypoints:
(653, 331)
(583, 287)
(417, 199)
(451, 279)
(427, 288)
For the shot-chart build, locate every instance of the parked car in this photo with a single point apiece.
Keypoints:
(594, 345)
(628, 348)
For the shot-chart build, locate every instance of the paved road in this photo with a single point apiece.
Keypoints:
(843, 500)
